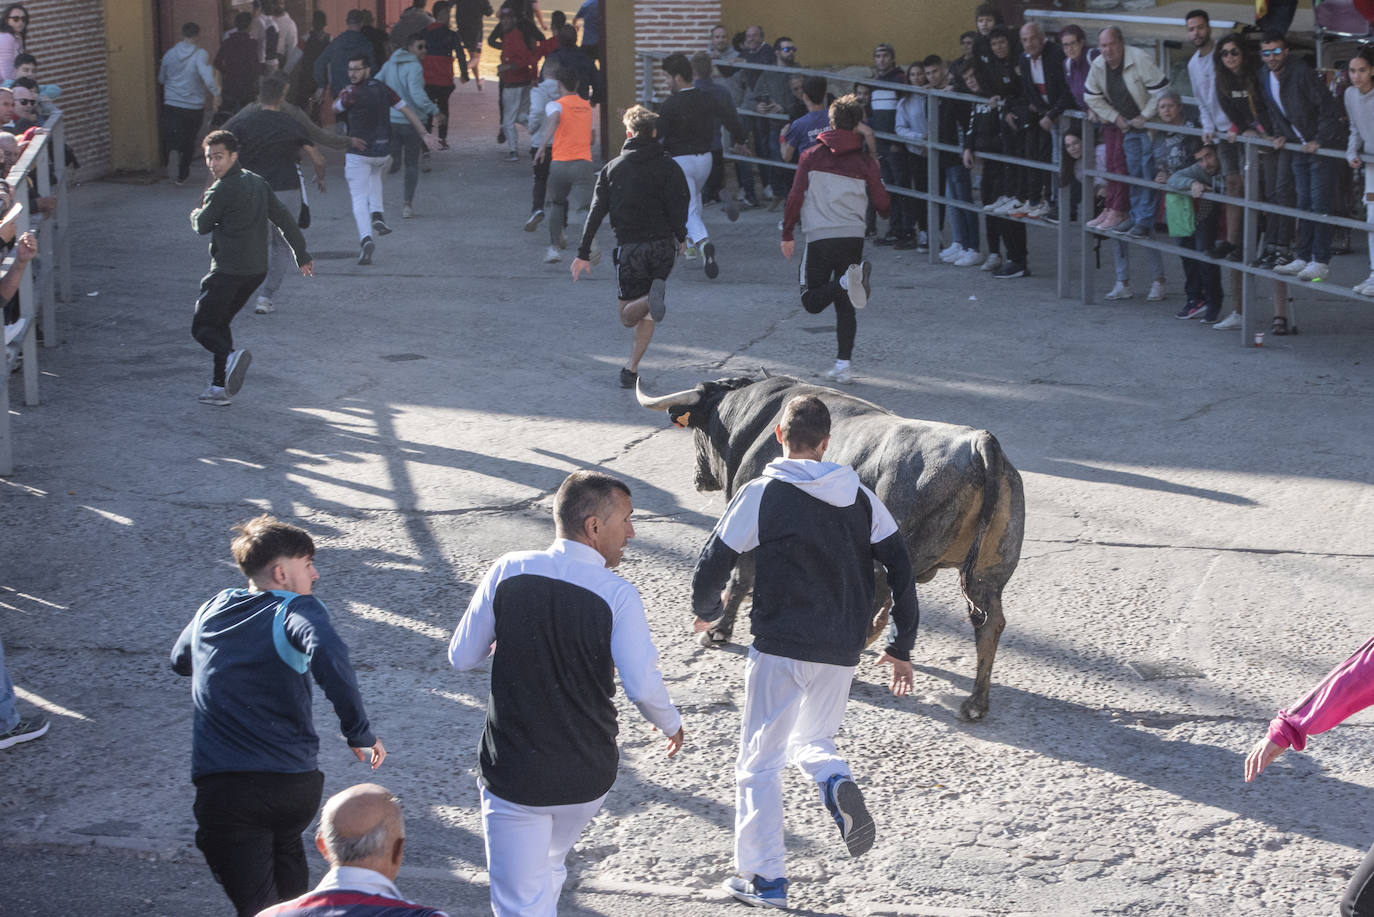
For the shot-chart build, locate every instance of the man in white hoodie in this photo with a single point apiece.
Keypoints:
(815, 531)
(188, 82)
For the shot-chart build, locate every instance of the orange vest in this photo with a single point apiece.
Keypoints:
(573, 138)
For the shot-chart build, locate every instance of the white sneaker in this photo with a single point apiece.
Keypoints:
(1315, 272)
(1156, 292)
(407, 212)
(840, 373)
(1039, 211)
(551, 256)
(264, 306)
(1000, 202)
(1365, 287)
(993, 263)
(1296, 266)
(1013, 205)
(1120, 291)
(953, 254)
(971, 257)
(1227, 323)
(215, 395)
(855, 283)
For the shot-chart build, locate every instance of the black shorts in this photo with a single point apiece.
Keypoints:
(470, 34)
(639, 264)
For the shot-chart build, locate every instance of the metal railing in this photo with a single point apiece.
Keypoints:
(1251, 203)
(40, 173)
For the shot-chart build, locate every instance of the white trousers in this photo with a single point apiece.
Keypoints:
(364, 177)
(791, 712)
(697, 168)
(527, 849)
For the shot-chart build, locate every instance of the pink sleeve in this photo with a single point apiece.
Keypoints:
(1347, 690)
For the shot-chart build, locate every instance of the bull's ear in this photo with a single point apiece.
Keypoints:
(684, 419)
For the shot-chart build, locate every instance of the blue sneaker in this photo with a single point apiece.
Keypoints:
(846, 804)
(758, 890)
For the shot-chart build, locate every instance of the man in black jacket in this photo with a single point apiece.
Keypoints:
(1044, 97)
(646, 196)
(815, 532)
(1302, 111)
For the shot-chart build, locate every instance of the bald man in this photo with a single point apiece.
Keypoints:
(362, 835)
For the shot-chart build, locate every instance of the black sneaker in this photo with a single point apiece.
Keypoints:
(1211, 314)
(30, 727)
(1009, 270)
(907, 244)
(534, 220)
(628, 378)
(708, 254)
(500, 135)
(657, 306)
(1222, 249)
(1191, 309)
(366, 250)
(379, 224)
(1282, 257)
(888, 239)
(1266, 259)
(846, 804)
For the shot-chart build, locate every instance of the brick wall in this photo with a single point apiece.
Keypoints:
(68, 38)
(672, 25)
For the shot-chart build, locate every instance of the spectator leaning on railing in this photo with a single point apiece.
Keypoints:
(1045, 96)
(1359, 106)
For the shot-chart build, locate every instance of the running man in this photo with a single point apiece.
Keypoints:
(368, 102)
(690, 118)
(567, 145)
(236, 213)
(646, 196)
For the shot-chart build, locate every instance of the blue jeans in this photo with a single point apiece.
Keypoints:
(1312, 182)
(892, 166)
(1140, 163)
(9, 714)
(963, 223)
(410, 145)
(767, 146)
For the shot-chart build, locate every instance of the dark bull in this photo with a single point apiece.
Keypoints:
(957, 500)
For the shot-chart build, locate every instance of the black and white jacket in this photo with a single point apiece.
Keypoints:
(562, 625)
(815, 531)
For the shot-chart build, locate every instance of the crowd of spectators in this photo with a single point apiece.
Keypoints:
(1244, 84)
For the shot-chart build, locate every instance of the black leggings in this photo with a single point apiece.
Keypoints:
(823, 263)
(221, 298)
(1001, 232)
(179, 129)
(1358, 900)
(439, 96)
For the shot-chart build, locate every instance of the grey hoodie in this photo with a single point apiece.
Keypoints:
(188, 80)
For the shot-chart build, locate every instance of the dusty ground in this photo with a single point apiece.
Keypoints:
(1192, 505)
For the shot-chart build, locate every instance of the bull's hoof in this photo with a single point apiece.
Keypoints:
(973, 711)
(713, 638)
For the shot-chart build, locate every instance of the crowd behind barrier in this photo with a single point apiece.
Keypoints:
(1247, 295)
(38, 182)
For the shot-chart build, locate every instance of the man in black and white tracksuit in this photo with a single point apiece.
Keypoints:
(815, 531)
(558, 625)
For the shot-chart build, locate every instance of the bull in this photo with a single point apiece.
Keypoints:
(957, 501)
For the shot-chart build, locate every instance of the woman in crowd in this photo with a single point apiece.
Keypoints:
(13, 29)
(1359, 106)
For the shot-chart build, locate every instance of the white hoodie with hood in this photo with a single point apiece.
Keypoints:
(188, 80)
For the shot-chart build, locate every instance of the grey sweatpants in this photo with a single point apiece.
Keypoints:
(574, 179)
(280, 260)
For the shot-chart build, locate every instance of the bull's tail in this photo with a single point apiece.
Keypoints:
(988, 452)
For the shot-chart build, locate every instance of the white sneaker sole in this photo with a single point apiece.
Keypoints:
(857, 829)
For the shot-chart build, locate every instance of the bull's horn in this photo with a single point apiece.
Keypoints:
(683, 399)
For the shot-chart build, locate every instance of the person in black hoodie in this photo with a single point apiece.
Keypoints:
(815, 532)
(1302, 111)
(984, 134)
(646, 196)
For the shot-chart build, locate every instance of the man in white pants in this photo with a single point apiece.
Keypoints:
(815, 532)
(548, 752)
(690, 118)
(367, 102)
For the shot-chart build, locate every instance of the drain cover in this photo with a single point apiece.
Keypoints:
(402, 357)
(1170, 668)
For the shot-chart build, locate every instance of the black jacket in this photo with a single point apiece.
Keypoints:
(983, 132)
(645, 194)
(689, 118)
(1312, 110)
(1056, 86)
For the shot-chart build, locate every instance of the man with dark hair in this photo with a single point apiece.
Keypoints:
(412, 19)
(703, 81)
(646, 196)
(557, 610)
(568, 148)
(331, 67)
(271, 143)
(891, 155)
(188, 82)
(519, 41)
(240, 61)
(362, 836)
(688, 119)
(835, 183)
(769, 97)
(441, 44)
(815, 532)
(251, 654)
(1302, 111)
(804, 133)
(404, 75)
(237, 212)
(369, 103)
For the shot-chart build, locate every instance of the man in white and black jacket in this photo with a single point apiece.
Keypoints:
(558, 626)
(815, 531)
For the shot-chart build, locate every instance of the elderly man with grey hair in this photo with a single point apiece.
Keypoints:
(362, 835)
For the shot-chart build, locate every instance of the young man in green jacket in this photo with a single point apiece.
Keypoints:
(238, 212)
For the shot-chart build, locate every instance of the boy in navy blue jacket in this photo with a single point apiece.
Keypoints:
(251, 653)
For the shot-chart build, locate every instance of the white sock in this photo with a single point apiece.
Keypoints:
(844, 281)
(841, 364)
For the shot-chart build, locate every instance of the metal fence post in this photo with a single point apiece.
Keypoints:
(64, 236)
(45, 262)
(1085, 208)
(1062, 196)
(933, 173)
(1249, 235)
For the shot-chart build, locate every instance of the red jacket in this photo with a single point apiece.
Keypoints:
(834, 184)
